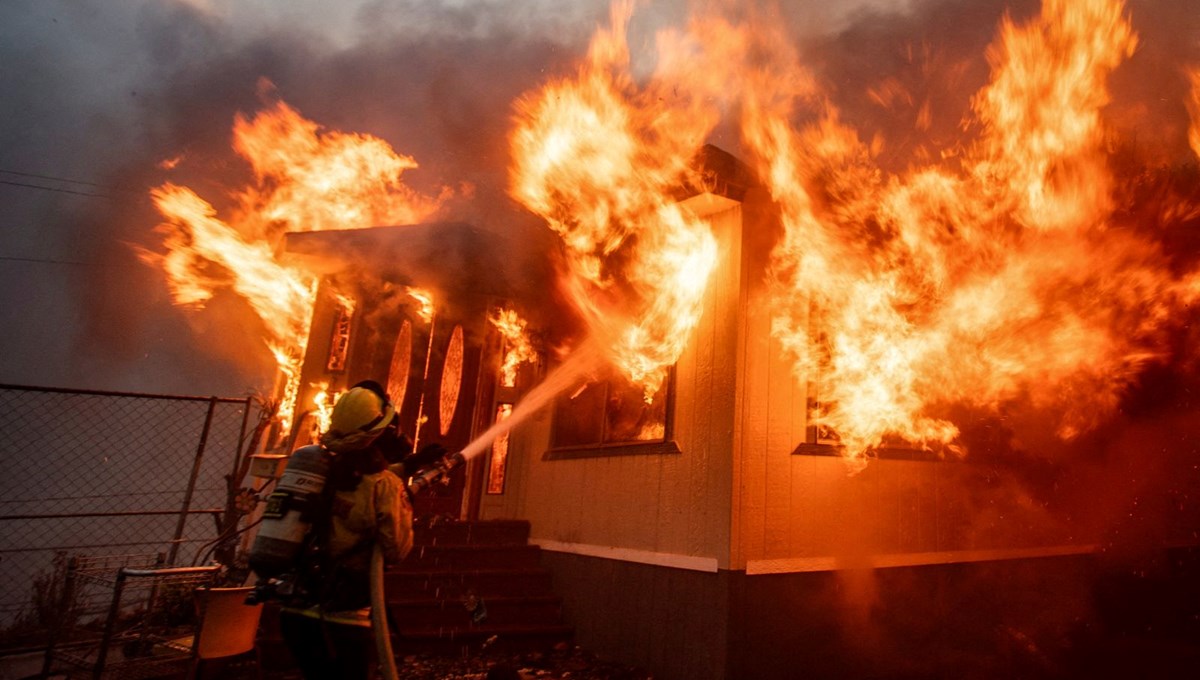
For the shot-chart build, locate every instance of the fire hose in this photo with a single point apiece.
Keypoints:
(383, 636)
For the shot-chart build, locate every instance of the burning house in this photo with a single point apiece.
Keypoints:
(779, 415)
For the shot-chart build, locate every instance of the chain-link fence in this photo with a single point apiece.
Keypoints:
(87, 473)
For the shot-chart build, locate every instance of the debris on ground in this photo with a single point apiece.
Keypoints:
(563, 663)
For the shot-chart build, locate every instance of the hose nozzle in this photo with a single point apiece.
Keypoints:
(439, 471)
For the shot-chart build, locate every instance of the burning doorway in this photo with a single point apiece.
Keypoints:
(411, 307)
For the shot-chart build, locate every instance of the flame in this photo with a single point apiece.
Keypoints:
(597, 157)
(499, 460)
(977, 283)
(306, 179)
(281, 296)
(1041, 112)
(424, 300)
(517, 348)
(323, 402)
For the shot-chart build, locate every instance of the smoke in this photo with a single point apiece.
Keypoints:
(105, 93)
(102, 92)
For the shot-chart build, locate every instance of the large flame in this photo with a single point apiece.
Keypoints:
(306, 179)
(597, 156)
(998, 271)
(975, 283)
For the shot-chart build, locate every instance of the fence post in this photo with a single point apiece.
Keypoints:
(66, 609)
(191, 487)
(114, 611)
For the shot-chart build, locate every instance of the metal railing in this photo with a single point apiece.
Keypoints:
(85, 472)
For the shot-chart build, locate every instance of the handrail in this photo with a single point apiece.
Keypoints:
(166, 571)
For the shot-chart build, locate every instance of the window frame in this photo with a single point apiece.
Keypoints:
(602, 449)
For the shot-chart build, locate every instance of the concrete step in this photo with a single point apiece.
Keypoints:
(457, 584)
(470, 612)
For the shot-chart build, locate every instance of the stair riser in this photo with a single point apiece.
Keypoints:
(465, 644)
(427, 590)
(455, 615)
(457, 585)
(432, 558)
(473, 534)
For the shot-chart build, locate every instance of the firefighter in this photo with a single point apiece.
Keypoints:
(327, 626)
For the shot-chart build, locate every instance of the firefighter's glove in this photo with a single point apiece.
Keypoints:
(429, 454)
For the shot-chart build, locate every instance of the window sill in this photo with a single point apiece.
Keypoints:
(612, 450)
(884, 453)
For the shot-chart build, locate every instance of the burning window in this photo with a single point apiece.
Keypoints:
(339, 343)
(401, 366)
(817, 432)
(611, 410)
(498, 464)
(452, 372)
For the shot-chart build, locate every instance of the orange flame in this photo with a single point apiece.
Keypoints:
(904, 294)
(306, 179)
(323, 402)
(424, 300)
(1041, 113)
(597, 158)
(517, 348)
(499, 460)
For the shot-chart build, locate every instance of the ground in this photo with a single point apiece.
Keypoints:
(563, 663)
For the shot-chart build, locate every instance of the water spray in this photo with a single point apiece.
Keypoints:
(583, 360)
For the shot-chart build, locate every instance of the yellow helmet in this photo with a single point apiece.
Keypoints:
(358, 418)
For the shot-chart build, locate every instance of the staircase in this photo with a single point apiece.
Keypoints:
(467, 586)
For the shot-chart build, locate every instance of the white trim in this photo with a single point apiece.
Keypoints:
(691, 562)
(831, 563)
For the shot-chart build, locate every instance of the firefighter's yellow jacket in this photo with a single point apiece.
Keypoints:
(377, 510)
